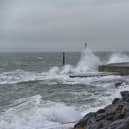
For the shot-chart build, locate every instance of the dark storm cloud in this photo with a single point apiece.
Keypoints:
(64, 24)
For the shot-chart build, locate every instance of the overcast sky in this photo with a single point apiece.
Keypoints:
(57, 25)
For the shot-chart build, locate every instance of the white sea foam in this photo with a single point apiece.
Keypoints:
(18, 76)
(118, 57)
(87, 64)
(104, 99)
(35, 113)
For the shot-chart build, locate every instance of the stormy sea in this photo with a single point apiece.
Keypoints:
(36, 91)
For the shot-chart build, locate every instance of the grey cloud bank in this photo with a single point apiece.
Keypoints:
(29, 25)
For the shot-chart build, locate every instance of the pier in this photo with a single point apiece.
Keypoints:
(91, 74)
(120, 68)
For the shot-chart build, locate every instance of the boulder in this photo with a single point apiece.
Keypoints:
(125, 95)
(113, 116)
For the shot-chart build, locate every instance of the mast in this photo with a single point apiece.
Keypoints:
(85, 45)
(63, 54)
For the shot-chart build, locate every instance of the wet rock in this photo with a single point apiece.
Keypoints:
(88, 119)
(118, 84)
(120, 124)
(120, 112)
(116, 100)
(125, 95)
(114, 116)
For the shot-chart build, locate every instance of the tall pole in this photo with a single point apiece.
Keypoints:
(63, 54)
(85, 45)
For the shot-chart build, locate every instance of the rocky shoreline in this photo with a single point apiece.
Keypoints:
(113, 116)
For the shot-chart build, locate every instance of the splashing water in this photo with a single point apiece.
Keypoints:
(88, 62)
(118, 58)
(37, 113)
(34, 113)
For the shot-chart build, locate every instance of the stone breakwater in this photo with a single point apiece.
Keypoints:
(114, 116)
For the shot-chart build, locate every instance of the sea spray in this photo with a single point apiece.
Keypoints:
(118, 58)
(88, 62)
(54, 70)
(54, 98)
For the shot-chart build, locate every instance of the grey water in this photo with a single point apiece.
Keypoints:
(33, 62)
(26, 75)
